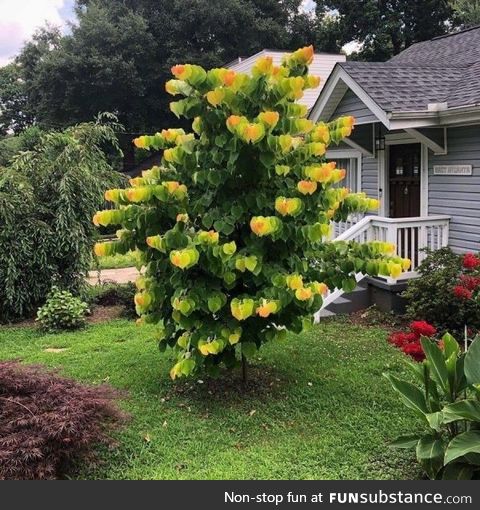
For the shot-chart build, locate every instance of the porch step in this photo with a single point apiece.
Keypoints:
(358, 299)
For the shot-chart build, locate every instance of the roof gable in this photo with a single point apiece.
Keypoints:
(444, 70)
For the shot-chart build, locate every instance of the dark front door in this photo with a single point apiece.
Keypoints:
(404, 172)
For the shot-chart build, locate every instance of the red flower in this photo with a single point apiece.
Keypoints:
(462, 293)
(415, 351)
(401, 339)
(423, 328)
(470, 282)
(470, 261)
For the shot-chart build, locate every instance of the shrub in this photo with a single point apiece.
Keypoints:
(62, 311)
(409, 342)
(47, 421)
(46, 199)
(441, 293)
(233, 226)
(111, 294)
(446, 397)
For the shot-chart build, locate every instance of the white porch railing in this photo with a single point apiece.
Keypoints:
(409, 235)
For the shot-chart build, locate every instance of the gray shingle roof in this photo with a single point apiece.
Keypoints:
(453, 50)
(444, 69)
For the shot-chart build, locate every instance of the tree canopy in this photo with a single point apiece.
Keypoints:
(118, 56)
(384, 28)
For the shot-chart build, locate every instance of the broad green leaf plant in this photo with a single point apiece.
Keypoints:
(447, 398)
(233, 228)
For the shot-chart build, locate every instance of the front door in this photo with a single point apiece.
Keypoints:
(404, 176)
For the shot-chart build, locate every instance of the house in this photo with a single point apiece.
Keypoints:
(416, 144)
(322, 66)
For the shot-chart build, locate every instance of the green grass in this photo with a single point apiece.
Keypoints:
(118, 261)
(320, 409)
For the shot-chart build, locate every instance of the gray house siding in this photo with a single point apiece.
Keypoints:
(458, 196)
(370, 176)
(350, 104)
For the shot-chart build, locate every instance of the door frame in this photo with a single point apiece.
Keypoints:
(384, 174)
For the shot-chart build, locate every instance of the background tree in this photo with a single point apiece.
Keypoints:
(14, 112)
(46, 200)
(119, 55)
(384, 28)
(12, 145)
(467, 11)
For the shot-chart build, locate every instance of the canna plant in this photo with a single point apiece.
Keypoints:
(233, 227)
(447, 399)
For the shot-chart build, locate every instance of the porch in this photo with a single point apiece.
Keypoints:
(411, 235)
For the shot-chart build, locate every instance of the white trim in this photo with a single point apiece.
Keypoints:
(423, 139)
(383, 184)
(384, 176)
(424, 180)
(325, 94)
(337, 78)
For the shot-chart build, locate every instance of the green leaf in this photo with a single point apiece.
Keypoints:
(468, 442)
(249, 349)
(410, 394)
(214, 177)
(435, 420)
(251, 263)
(214, 304)
(436, 362)
(472, 362)
(349, 284)
(430, 455)
(450, 346)
(408, 441)
(462, 410)
(458, 471)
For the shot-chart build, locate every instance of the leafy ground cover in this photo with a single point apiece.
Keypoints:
(117, 261)
(316, 406)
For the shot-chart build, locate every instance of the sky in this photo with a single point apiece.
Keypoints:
(20, 18)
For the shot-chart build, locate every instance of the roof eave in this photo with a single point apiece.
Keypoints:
(424, 118)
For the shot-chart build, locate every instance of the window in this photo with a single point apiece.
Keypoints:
(351, 178)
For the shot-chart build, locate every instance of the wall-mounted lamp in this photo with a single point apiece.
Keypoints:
(379, 142)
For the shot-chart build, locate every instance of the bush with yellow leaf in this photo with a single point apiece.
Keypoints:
(234, 225)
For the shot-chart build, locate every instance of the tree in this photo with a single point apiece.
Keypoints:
(119, 55)
(233, 225)
(102, 66)
(14, 113)
(467, 11)
(47, 198)
(384, 28)
(11, 145)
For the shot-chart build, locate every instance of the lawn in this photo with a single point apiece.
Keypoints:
(319, 408)
(117, 261)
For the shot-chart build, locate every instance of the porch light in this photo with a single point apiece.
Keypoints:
(380, 142)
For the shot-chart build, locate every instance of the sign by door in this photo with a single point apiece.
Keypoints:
(452, 170)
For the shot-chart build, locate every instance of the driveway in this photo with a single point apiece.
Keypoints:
(123, 275)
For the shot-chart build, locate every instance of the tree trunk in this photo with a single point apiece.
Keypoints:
(244, 370)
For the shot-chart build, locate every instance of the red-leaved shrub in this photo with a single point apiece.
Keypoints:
(47, 421)
(409, 341)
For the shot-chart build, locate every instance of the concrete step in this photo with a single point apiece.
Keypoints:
(324, 313)
(358, 299)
